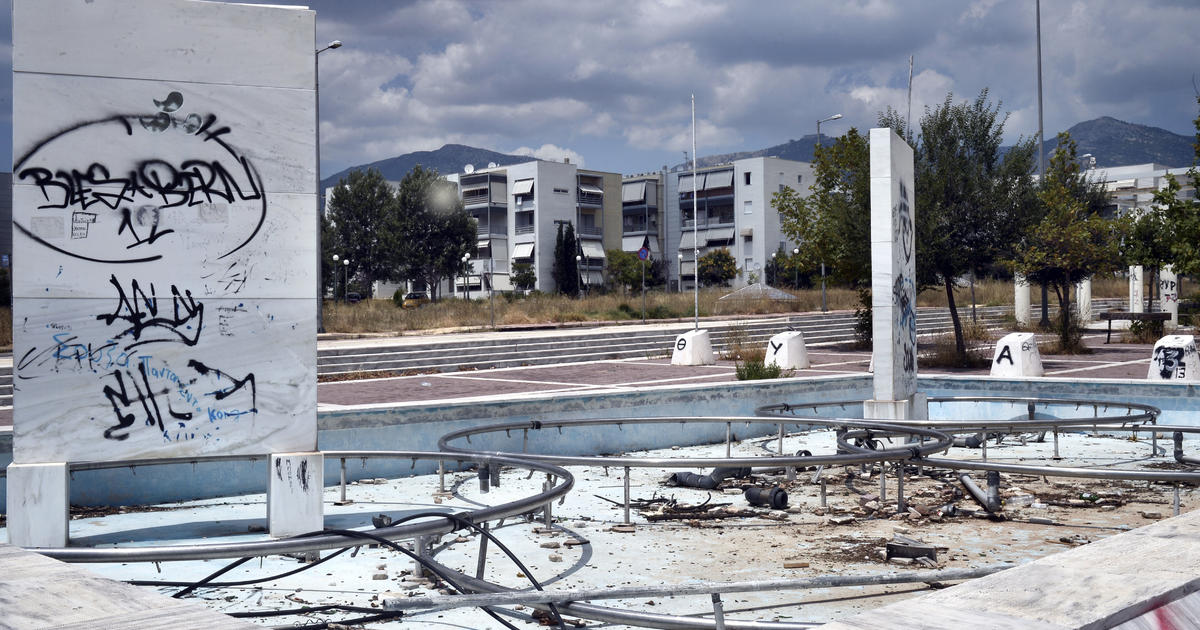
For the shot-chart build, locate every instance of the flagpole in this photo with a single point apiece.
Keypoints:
(695, 225)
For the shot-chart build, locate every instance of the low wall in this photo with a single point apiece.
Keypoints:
(417, 426)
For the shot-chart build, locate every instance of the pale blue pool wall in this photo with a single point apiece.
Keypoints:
(418, 426)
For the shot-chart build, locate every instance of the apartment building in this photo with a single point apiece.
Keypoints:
(518, 209)
(641, 213)
(733, 210)
(1131, 188)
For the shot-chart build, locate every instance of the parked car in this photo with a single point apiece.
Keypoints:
(353, 298)
(415, 299)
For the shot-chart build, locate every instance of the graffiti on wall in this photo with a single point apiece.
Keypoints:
(904, 294)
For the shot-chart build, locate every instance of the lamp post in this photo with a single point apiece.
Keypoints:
(695, 225)
(492, 288)
(824, 306)
(345, 274)
(796, 252)
(579, 272)
(680, 257)
(833, 117)
(317, 169)
(774, 267)
(467, 273)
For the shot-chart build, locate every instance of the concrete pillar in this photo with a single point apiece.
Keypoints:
(1021, 303)
(693, 348)
(893, 285)
(38, 504)
(1168, 291)
(1017, 355)
(787, 350)
(294, 491)
(1083, 298)
(1137, 301)
(1175, 360)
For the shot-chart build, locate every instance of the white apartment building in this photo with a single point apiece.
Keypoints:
(519, 209)
(733, 206)
(1131, 188)
(641, 213)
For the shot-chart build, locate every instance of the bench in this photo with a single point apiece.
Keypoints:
(1133, 317)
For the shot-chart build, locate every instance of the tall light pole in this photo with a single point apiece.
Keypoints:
(796, 252)
(467, 273)
(1045, 323)
(680, 257)
(345, 276)
(774, 267)
(833, 117)
(695, 227)
(579, 272)
(317, 169)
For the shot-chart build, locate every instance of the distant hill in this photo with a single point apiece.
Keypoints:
(1112, 142)
(1118, 143)
(451, 158)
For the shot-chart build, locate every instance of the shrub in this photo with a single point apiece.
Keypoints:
(756, 369)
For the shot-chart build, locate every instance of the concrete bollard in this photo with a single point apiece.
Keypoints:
(693, 348)
(787, 350)
(1021, 300)
(1175, 359)
(1017, 355)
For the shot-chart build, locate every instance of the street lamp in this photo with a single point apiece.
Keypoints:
(774, 267)
(345, 279)
(317, 169)
(467, 273)
(680, 256)
(796, 252)
(579, 272)
(833, 117)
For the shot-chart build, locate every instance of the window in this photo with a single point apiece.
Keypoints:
(562, 191)
(781, 187)
(748, 206)
(746, 175)
(799, 179)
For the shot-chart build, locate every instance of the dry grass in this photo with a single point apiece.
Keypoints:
(943, 351)
(5, 329)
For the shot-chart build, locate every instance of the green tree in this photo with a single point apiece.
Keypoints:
(566, 268)
(436, 231)
(717, 268)
(833, 223)
(1149, 240)
(1181, 215)
(365, 227)
(625, 270)
(1072, 241)
(523, 276)
(972, 203)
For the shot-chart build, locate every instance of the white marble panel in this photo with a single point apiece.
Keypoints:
(263, 248)
(787, 350)
(97, 382)
(1175, 359)
(893, 266)
(210, 42)
(1021, 300)
(294, 492)
(1083, 301)
(1017, 355)
(1137, 298)
(693, 348)
(38, 504)
(183, 141)
(1168, 291)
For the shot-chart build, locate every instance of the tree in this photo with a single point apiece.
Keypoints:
(833, 222)
(566, 268)
(523, 276)
(971, 202)
(625, 269)
(436, 231)
(1072, 241)
(1182, 215)
(717, 268)
(365, 227)
(1149, 240)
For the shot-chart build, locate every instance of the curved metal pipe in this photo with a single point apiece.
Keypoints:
(1177, 437)
(168, 553)
(989, 500)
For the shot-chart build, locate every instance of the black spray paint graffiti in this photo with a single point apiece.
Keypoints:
(197, 394)
(135, 196)
(141, 312)
(1169, 361)
(904, 290)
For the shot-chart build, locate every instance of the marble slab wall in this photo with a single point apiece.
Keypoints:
(164, 229)
(893, 267)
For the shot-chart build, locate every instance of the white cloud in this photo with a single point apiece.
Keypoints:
(551, 153)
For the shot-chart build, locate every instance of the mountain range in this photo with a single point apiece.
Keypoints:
(1112, 142)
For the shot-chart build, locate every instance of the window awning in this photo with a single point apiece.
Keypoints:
(523, 187)
(719, 179)
(689, 240)
(685, 184)
(523, 250)
(590, 189)
(591, 250)
(633, 192)
(654, 251)
(631, 243)
(474, 187)
(688, 268)
(483, 243)
(719, 235)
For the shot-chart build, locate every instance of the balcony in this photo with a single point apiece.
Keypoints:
(523, 229)
(590, 230)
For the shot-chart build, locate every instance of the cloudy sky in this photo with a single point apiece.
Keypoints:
(607, 83)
